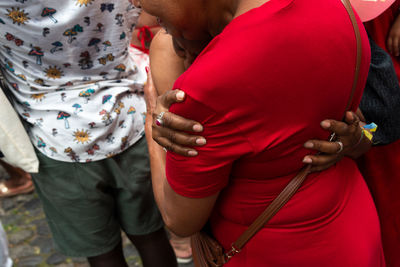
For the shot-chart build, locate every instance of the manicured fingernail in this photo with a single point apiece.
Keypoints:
(307, 160)
(180, 95)
(308, 145)
(197, 128)
(201, 141)
(147, 69)
(192, 153)
(325, 124)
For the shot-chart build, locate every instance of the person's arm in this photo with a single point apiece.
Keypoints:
(393, 40)
(165, 64)
(349, 133)
(166, 67)
(182, 215)
(171, 135)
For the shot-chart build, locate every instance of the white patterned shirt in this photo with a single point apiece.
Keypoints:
(71, 76)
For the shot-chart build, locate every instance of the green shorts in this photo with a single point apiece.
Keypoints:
(87, 204)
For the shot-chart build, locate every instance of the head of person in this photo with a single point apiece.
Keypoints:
(192, 23)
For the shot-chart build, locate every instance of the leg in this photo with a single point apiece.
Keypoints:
(80, 208)
(137, 211)
(154, 249)
(113, 258)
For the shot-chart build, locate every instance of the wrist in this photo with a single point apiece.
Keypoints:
(365, 141)
(369, 130)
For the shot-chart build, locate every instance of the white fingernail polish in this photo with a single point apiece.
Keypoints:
(201, 141)
(180, 95)
(192, 153)
(197, 128)
(308, 145)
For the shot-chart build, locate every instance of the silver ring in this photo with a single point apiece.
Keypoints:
(166, 150)
(340, 147)
(159, 120)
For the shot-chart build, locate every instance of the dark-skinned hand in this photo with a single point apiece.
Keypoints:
(171, 136)
(348, 132)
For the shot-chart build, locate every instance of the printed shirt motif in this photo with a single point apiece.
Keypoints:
(71, 75)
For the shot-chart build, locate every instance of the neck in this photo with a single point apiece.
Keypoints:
(220, 14)
(225, 11)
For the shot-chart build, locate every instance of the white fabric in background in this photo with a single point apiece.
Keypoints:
(14, 141)
(5, 260)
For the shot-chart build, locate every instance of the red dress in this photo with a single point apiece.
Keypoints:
(380, 166)
(260, 89)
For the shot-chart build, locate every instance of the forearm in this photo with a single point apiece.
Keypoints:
(176, 210)
(173, 208)
(157, 166)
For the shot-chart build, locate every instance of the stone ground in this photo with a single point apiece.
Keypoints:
(30, 240)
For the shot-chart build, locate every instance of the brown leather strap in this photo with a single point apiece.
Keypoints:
(296, 182)
(353, 19)
(273, 208)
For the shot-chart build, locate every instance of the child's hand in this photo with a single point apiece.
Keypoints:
(393, 41)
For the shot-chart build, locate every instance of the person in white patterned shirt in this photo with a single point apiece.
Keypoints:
(72, 80)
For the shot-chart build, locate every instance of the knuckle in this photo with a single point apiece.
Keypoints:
(351, 130)
(155, 129)
(331, 148)
(154, 115)
(167, 120)
(315, 160)
(317, 145)
(170, 147)
(171, 136)
(333, 125)
(343, 128)
(192, 140)
(161, 100)
(158, 141)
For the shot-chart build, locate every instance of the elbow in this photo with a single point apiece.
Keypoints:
(179, 228)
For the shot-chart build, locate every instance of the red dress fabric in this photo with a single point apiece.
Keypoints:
(260, 89)
(380, 166)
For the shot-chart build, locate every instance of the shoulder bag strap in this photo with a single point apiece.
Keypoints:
(296, 182)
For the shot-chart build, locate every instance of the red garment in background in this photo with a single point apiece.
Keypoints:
(380, 168)
(379, 29)
(261, 89)
(381, 165)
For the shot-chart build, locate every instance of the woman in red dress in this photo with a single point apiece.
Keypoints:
(254, 139)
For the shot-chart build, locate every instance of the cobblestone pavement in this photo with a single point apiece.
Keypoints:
(30, 240)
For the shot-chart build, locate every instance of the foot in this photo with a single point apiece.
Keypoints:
(20, 182)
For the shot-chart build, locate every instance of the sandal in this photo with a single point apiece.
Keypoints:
(7, 191)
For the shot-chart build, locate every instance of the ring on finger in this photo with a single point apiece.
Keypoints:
(159, 119)
(340, 147)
